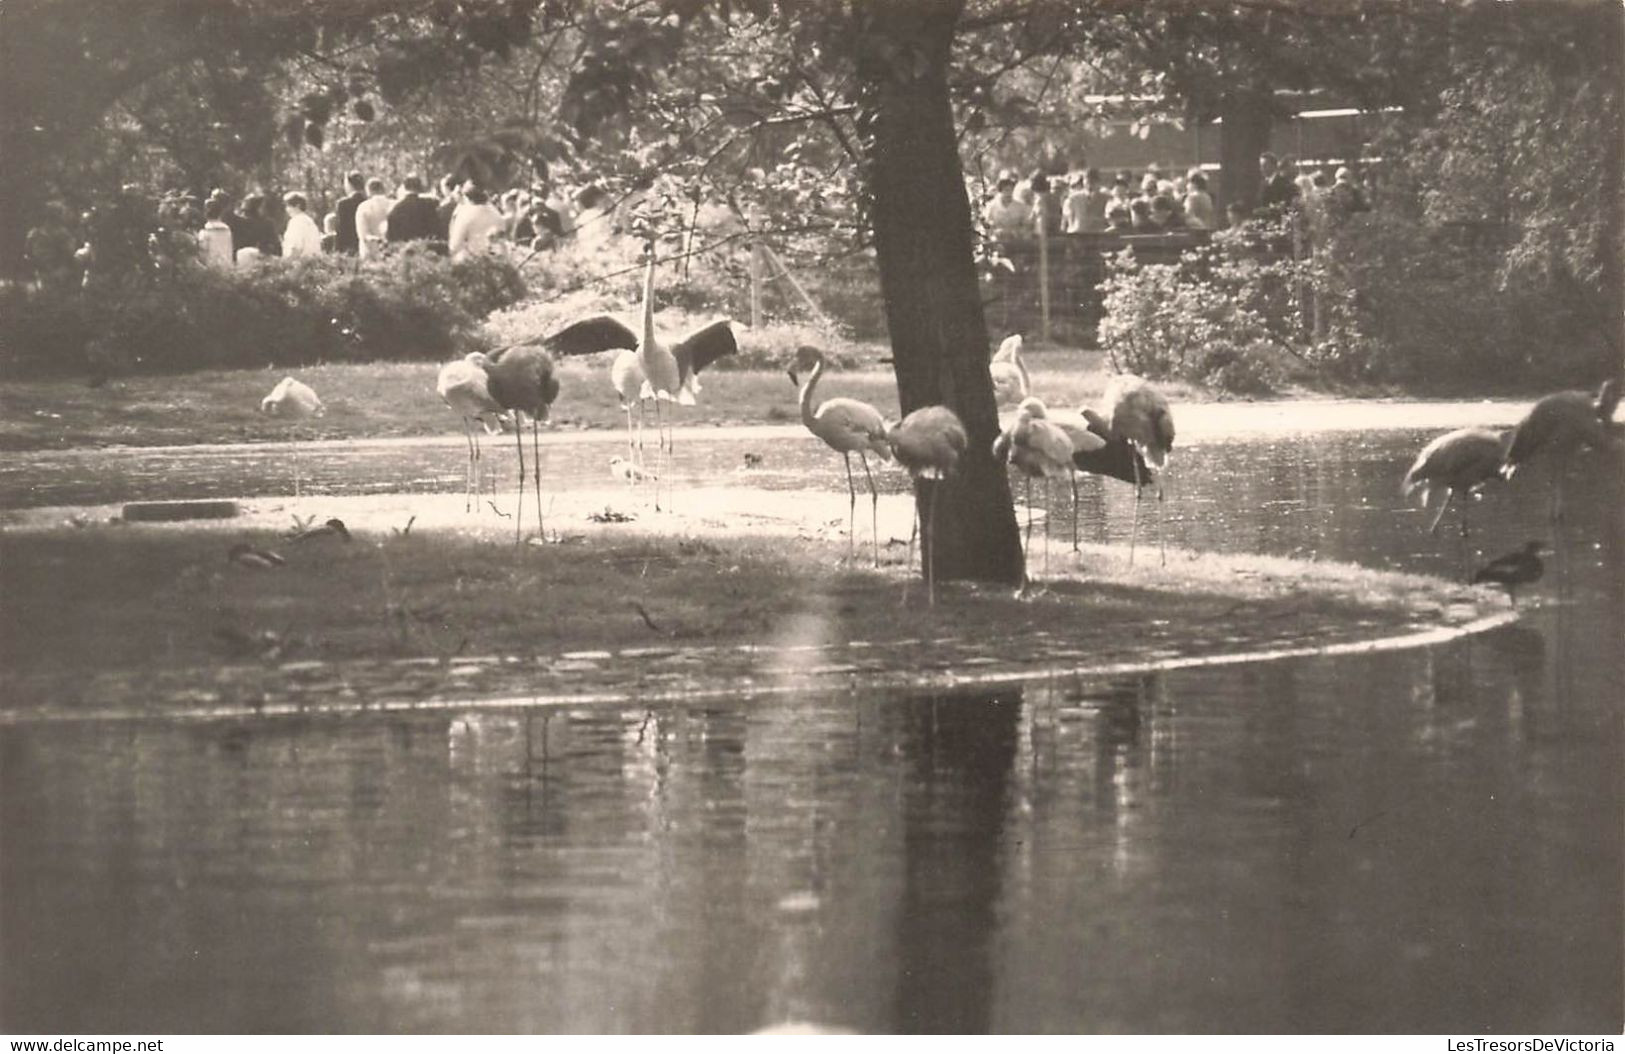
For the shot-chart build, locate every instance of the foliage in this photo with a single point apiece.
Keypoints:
(279, 312)
(1209, 319)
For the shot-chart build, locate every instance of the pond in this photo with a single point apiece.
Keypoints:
(1415, 841)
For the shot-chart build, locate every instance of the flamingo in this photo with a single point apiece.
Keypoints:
(846, 426)
(929, 443)
(1559, 425)
(1459, 462)
(465, 386)
(1087, 443)
(1517, 568)
(1039, 448)
(656, 371)
(1139, 414)
(522, 380)
(1011, 382)
(297, 400)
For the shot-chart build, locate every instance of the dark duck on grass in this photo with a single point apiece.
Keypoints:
(1520, 567)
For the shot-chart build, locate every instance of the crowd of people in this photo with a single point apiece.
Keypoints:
(458, 218)
(1087, 202)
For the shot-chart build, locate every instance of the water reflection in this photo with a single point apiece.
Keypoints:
(1423, 841)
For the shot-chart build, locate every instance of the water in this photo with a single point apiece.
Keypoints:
(1424, 841)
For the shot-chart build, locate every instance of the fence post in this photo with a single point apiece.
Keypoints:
(1043, 277)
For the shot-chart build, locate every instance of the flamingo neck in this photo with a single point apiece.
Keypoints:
(807, 393)
(649, 301)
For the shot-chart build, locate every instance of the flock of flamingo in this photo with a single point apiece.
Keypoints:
(1461, 463)
(1129, 439)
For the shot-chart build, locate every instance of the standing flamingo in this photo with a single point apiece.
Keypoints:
(465, 385)
(1011, 381)
(929, 443)
(1087, 442)
(1559, 425)
(1039, 448)
(522, 380)
(1459, 462)
(846, 426)
(658, 372)
(1139, 414)
(295, 399)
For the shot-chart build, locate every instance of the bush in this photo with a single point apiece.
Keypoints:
(411, 305)
(1190, 321)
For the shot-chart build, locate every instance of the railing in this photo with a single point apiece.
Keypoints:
(1051, 291)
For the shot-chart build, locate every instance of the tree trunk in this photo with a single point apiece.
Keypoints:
(1243, 135)
(925, 245)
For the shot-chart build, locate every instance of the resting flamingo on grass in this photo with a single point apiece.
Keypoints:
(847, 426)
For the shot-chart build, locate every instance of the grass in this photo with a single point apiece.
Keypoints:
(128, 599)
(398, 399)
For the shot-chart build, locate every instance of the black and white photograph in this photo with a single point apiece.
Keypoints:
(588, 518)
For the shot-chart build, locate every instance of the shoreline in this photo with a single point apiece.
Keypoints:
(743, 598)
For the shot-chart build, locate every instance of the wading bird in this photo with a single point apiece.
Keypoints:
(1039, 448)
(1087, 442)
(1517, 568)
(1557, 426)
(1011, 381)
(1138, 413)
(296, 400)
(929, 443)
(1458, 462)
(522, 380)
(656, 371)
(846, 426)
(465, 386)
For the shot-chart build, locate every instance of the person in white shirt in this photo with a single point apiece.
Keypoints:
(472, 225)
(372, 219)
(301, 238)
(215, 237)
(1005, 216)
(1199, 212)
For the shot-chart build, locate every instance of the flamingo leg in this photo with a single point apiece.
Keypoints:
(1450, 492)
(1162, 536)
(1027, 542)
(874, 506)
(931, 541)
(1134, 524)
(1075, 546)
(1049, 502)
(468, 470)
(536, 469)
(851, 505)
(660, 454)
(913, 532)
(519, 511)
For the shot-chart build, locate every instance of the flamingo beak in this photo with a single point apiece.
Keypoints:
(793, 378)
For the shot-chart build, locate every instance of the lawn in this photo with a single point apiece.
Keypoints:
(398, 399)
(166, 600)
